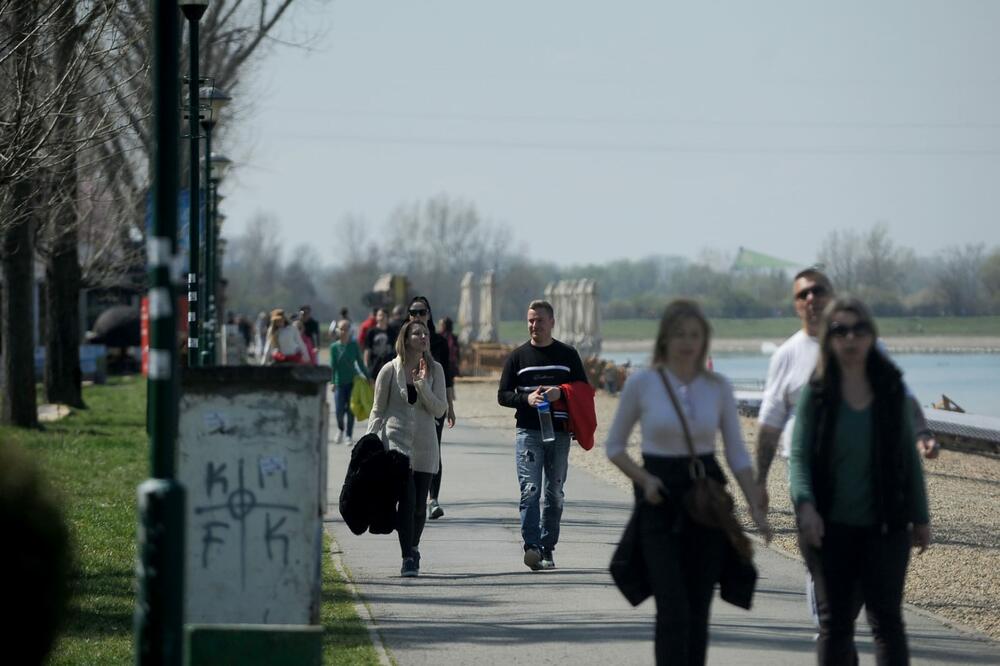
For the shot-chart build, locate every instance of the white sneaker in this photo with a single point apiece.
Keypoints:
(340, 437)
(434, 510)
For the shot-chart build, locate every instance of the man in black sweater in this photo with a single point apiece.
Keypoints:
(532, 376)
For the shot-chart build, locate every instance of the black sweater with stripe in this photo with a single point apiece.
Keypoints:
(529, 367)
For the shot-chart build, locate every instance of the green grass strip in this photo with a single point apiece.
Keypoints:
(95, 458)
(345, 636)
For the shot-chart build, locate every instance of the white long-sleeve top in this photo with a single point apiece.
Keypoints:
(708, 404)
(289, 342)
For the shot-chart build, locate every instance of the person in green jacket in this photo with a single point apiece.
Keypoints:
(345, 359)
(857, 485)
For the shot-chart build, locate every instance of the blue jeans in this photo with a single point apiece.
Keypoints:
(541, 465)
(342, 403)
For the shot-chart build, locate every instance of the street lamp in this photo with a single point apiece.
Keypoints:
(220, 261)
(218, 165)
(159, 617)
(193, 11)
(213, 99)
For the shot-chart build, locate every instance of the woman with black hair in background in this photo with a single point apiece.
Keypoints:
(420, 310)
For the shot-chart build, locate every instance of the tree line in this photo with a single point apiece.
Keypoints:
(75, 144)
(446, 237)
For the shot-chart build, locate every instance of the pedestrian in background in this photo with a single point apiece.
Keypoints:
(857, 485)
(260, 327)
(345, 359)
(365, 326)
(310, 326)
(283, 344)
(313, 354)
(334, 334)
(447, 329)
(378, 346)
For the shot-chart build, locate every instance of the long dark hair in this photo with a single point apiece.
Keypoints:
(430, 313)
(888, 396)
(827, 370)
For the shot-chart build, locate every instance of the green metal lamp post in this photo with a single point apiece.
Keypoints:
(159, 613)
(218, 166)
(213, 99)
(193, 11)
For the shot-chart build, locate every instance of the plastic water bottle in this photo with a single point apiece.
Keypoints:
(545, 421)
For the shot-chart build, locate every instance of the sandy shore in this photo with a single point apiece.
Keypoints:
(898, 345)
(957, 578)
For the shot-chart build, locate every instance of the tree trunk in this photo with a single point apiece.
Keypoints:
(63, 378)
(20, 407)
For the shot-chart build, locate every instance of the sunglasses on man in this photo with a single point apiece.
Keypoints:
(859, 329)
(417, 312)
(817, 290)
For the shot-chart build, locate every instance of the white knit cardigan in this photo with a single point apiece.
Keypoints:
(410, 429)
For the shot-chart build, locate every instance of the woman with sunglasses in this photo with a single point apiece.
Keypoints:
(409, 397)
(857, 485)
(420, 310)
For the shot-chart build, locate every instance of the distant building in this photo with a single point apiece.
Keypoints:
(749, 261)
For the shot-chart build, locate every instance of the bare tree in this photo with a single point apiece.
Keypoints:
(840, 255)
(76, 41)
(958, 281)
(990, 275)
(440, 239)
(870, 265)
(21, 131)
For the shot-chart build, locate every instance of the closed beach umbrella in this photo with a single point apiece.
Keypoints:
(118, 326)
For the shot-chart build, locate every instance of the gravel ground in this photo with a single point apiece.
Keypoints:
(957, 578)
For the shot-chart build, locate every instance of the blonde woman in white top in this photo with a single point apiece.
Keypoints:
(409, 396)
(284, 343)
(683, 559)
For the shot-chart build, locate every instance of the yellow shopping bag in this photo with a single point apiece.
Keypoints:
(362, 397)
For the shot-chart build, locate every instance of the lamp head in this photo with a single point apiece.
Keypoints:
(219, 165)
(212, 99)
(193, 9)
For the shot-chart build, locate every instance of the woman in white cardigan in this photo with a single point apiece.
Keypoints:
(409, 396)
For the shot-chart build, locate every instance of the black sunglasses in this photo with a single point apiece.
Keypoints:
(417, 312)
(817, 290)
(859, 329)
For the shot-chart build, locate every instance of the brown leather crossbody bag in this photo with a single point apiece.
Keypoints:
(708, 502)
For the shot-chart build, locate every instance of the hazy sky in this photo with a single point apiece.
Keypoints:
(601, 130)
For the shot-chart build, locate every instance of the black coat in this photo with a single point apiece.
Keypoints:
(375, 482)
(737, 579)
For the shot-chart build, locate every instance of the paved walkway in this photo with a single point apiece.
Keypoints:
(476, 603)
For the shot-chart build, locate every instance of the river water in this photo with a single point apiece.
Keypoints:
(971, 380)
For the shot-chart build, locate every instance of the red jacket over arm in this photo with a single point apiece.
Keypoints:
(578, 401)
